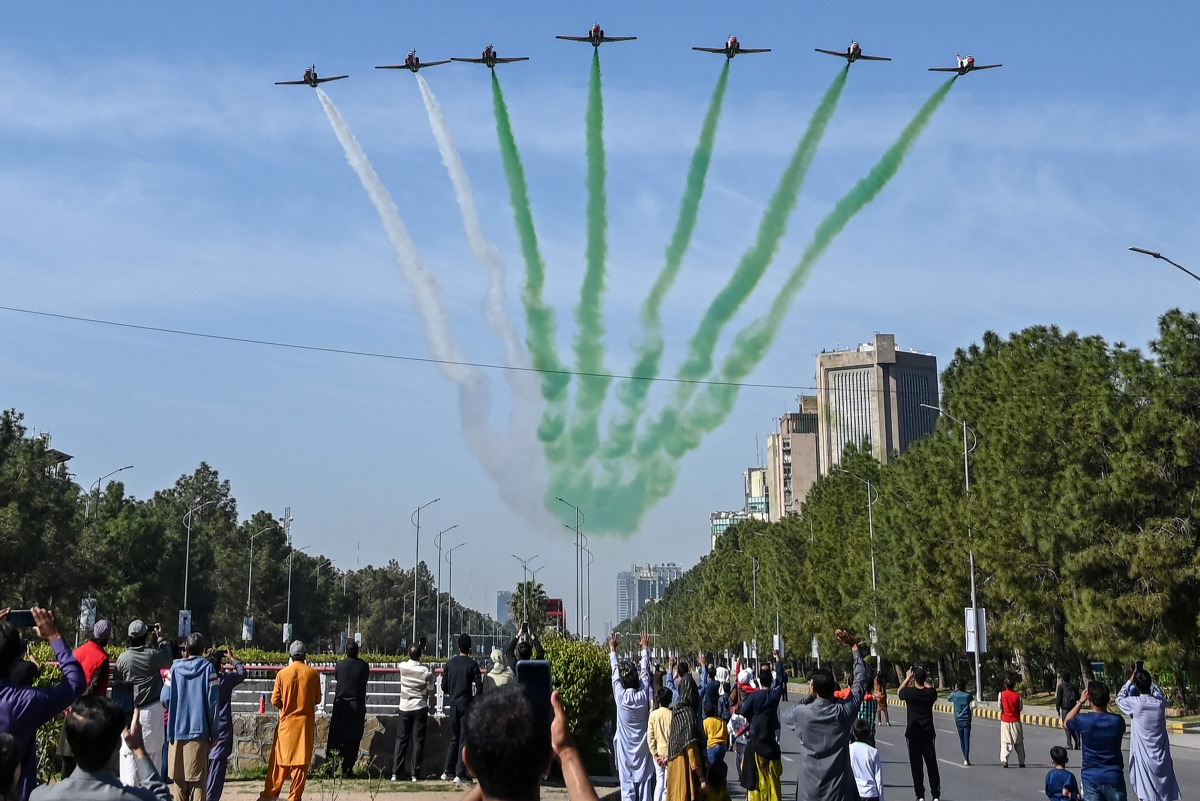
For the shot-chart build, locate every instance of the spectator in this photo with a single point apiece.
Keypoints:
(762, 710)
(656, 679)
(416, 685)
(685, 757)
(141, 666)
(716, 737)
(24, 709)
(723, 675)
(631, 691)
(349, 708)
(1101, 731)
(658, 737)
(524, 646)
(508, 743)
(27, 670)
(218, 757)
(739, 729)
(963, 701)
(1065, 697)
(919, 733)
(718, 781)
(1060, 782)
(1151, 769)
(461, 682)
(868, 710)
(10, 765)
(499, 674)
(191, 695)
(297, 693)
(93, 728)
(881, 698)
(94, 661)
(824, 725)
(710, 690)
(1012, 734)
(866, 763)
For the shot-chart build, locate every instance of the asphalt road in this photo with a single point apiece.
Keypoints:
(985, 780)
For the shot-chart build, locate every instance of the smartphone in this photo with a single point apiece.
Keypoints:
(21, 618)
(122, 694)
(534, 677)
(1141, 665)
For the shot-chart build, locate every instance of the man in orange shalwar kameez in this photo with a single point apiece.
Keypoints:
(297, 693)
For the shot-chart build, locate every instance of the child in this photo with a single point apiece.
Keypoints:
(1060, 782)
(738, 726)
(868, 767)
(714, 731)
(658, 737)
(717, 781)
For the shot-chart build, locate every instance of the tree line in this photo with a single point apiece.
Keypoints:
(64, 543)
(1082, 517)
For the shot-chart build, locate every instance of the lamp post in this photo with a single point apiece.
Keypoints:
(287, 629)
(533, 571)
(1154, 254)
(450, 595)
(187, 554)
(437, 642)
(577, 528)
(87, 513)
(250, 580)
(588, 616)
(416, 521)
(753, 597)
(970, 537)
(872, 499)
(524, 581)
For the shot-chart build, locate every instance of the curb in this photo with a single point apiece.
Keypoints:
(1047, 721)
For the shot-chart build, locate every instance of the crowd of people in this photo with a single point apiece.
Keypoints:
(168, 730)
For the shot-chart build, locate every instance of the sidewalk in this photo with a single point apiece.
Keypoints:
(367, 790)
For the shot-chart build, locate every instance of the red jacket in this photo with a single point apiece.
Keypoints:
(1010, 706)
(92, 658)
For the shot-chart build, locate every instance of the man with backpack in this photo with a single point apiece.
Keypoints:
(1065, 699)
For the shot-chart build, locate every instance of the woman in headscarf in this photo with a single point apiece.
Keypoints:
(685, 757)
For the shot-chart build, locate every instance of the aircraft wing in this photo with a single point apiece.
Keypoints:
(943, 69)
(575, 38)
(291, 83)
(421, 66)
(839, 54)
(720, 50)
(753, 50)
(469, 60)
(332, 78)
(874, 58)
(618, 38)
(988, 66)
(511, 60)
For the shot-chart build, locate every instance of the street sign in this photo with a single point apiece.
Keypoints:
(247, 629)
(816, 648)
(185, 622)
(976, 628)
(874, 634)
(87, 615)
(287, 633)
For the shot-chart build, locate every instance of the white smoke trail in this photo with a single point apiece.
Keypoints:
(474, 397)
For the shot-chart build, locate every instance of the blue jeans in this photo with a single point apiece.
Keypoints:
(1104, 792)
(964, 738)
(717, 753)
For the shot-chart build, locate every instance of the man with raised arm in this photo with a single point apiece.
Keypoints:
(761, 709)
(631, 690)
(824, 724)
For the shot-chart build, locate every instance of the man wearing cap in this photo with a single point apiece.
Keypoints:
(191, 694)
(297, 693)
(94, 661)
(141, 666)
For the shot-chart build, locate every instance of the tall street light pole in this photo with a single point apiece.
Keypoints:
(437, 642)
(450, 595)
(524, 584)
(588, 616)
(287, 629)
(250, 580)
(970, 537)
(88, 509)
(187, 555)
(753, 597)
(578, 529)
(1155, 254)
(872, 499)
(416, 521)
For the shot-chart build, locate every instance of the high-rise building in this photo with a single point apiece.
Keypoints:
(758, 500)
(502, 613)
(793, 459)
(718, 522)
(874, 393)
(642, 584)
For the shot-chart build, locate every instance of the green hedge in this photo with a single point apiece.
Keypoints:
(581, 675)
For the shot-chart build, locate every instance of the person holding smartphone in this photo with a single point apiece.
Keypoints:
(1151, 769)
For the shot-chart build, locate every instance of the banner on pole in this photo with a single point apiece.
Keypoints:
(976, 629)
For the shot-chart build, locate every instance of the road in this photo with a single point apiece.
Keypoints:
(985, 780)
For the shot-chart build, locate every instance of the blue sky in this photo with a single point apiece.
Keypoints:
(153, 174)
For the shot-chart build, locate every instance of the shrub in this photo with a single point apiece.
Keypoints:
(581, 676)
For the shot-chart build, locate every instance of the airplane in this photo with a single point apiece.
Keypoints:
(489, 58)
(412, 63)
(596, 37)
(310, 79)
(732, 48)
(853, 53)
(965, 64)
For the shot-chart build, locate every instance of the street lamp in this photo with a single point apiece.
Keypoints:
(88, 508)
(533, 571)
(754, 598)
(437, 642)
(588, 616)
(287, 629)
(187, 555)
(250, 581)
(970, 537)
(1157, 255)
(872, 499)
(525, 581)
(416, 521)
(577, 528)
(317, 572)
(450, 596)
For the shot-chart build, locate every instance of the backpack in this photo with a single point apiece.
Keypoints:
(724, 708)
(1070, 696)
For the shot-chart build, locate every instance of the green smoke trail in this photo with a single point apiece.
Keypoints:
(753, 264)
(539, 318)
(632, 394)
(618, 505)
(589, 340)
